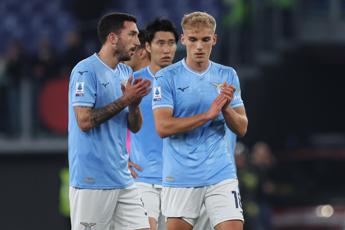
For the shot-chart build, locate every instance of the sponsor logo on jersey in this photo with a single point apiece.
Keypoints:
(82, 72)
(183, 88)
(105, 84)
(156, 77)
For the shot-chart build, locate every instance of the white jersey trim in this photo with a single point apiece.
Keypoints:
(194, 72)
(162, 106)
(82, 104)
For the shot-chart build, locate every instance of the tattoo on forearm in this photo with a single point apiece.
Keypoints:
(134, 119)
(100, 115)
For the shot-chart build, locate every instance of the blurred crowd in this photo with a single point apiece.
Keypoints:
(255, 170)
(17, 66)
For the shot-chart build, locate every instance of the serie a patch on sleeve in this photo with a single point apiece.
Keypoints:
(157, 93)
(79, 89)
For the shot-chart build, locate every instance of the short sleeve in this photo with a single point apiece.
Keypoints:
(162, 94)
(83, 87)
(237, 99)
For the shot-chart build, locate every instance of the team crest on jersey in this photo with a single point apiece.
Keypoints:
(87, 226)
(157, 93)
(79, 89)
(218, 86)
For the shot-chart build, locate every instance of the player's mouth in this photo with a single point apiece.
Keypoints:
(166, 58)
(199, 55)
(132, 51)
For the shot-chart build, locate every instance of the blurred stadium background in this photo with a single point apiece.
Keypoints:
(290, 57)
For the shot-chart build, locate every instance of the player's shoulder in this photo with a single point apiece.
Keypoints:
(141, 72)
(221, 67)
(84, 67)
(170, 70)
(224, 70)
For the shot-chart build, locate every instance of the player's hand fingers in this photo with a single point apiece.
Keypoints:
(137, 80)
(133, 173)
(123, 88)
(129, 81)
(222, 102)
(228, 88)
(228, 96)
(221, 99)
(131, 164)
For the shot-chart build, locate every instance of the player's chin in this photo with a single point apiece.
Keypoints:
(125, 57)
(165, 64)
(199, 58)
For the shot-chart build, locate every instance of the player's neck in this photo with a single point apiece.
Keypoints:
(154, 68)
(108, 57)
(145, 63)
(197, 66)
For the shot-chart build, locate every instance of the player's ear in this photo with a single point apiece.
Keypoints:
(183, 39)
(148, 47)
(215, 38)
(141, 52)
(113, 38)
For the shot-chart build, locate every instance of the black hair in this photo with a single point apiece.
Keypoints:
(112, 22)
(160, 24)
(142, 38)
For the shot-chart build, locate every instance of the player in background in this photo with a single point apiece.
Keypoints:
(140, 58)
(146, 145)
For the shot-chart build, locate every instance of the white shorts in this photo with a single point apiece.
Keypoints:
(222, 202)
(151, 197)
(203, 222)
(107, 209)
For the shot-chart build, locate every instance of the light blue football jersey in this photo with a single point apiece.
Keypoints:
(98, 158)
(232, 138)
(146, 145)
(200, 157)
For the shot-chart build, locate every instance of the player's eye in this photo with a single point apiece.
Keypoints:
(132, 33)
(172, 42)
(206, 39)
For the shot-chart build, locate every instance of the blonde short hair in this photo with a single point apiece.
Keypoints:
(198, 18)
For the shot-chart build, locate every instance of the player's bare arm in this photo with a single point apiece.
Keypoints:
(88, 117)
(134, 116)
(167, 124)
(235, 118)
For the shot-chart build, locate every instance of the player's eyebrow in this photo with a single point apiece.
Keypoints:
(133, 32)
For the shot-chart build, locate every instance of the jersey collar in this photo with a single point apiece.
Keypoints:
(194, 72)
(108, 67)
(150, 72)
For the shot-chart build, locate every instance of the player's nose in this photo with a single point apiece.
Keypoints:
(199, 45)
(137, 41)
